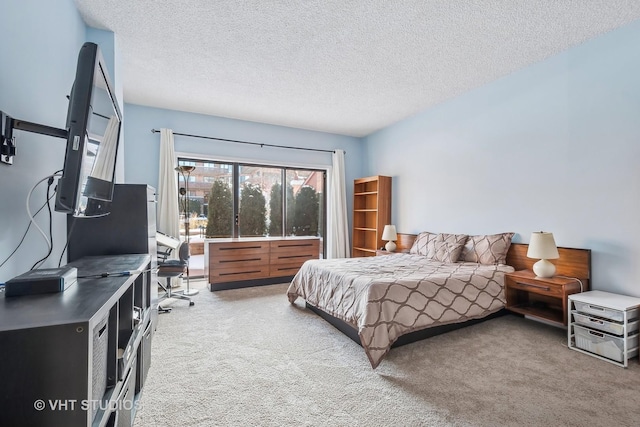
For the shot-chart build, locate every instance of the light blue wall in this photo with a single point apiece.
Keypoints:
(40, 45)
(142, 154)
(142, 151)
(39, 48)
(554, 147)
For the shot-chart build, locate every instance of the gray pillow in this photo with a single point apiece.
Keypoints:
(419, 246)
(487, 248)
(444, 251)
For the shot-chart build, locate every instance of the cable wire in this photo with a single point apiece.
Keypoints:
(576, 279)
(31, 217)
(43, 259)
(24, 235)
(116, 274)
(66, 245)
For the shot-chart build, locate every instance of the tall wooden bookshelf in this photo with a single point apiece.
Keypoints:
(371, 212)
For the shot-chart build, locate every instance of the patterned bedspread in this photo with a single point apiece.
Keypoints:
(384, 297)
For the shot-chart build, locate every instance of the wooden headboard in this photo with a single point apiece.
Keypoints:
(572, 262)
(405, 241)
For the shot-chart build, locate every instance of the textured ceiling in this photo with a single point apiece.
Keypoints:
(340, 66)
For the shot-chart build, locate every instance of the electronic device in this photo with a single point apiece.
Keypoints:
(42, 281)
(92, 133)
(93, 125)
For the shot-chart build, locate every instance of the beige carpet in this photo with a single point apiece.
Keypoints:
(248, 358)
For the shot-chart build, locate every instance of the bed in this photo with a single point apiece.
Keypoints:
(436, 283)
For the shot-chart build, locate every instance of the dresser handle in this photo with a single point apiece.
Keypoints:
(544, 288)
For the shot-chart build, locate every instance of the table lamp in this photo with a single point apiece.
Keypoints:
(389, 234)
(542, 246)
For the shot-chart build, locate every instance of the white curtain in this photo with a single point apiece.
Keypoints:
(106, 156)
(339, 230)
(168, 220)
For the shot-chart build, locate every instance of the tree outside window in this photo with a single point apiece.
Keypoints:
(220, 210)
(252, 212)
(306, 212)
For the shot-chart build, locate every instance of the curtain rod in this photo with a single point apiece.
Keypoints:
(248, 142)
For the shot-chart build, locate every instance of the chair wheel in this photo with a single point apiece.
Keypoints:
(191, 303)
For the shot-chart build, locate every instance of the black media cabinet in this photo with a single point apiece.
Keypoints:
(78, 357)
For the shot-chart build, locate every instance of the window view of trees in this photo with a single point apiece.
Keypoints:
(275, 210)
(257, 202)
(252, 213)
(305, 213)
(220, 210)
(193, 206)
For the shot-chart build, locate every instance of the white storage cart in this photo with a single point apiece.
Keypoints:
(604, 325)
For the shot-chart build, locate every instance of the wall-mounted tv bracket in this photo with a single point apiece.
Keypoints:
(7, 140)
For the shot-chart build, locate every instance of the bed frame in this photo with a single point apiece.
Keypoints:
(572, 262)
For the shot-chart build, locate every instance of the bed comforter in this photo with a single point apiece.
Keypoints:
(384, 297)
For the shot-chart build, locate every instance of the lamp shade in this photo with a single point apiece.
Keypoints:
(389, 233)
(185, 168)
(542, 246)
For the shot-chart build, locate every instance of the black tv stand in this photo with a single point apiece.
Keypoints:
(78, 357)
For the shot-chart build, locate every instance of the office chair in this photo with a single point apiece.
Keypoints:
(170, 269)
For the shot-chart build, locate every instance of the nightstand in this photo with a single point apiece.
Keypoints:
(542, 298)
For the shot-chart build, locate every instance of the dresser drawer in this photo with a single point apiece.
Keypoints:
(294, 251)
(303, 246)
(287, 256)
(221, 275)
(229, 260)
(237, 261)
(237, 249)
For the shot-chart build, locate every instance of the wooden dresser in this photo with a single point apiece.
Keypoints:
(235, 263)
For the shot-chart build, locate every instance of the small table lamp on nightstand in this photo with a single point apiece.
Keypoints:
(389, 234)
(543, 247)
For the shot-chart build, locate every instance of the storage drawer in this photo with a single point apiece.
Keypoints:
(305, 246)
(604, 312)
(125, 407)
(237, 249)
(605, 345)
(222, 275)
(100, 353)
(287, 256)
(604, 325)
(236, 261)
(537, 288)
(284, 269)
(144, 357)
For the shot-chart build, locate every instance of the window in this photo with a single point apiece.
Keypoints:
(247, 200)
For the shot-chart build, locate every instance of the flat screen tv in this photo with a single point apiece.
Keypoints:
(93, 124)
